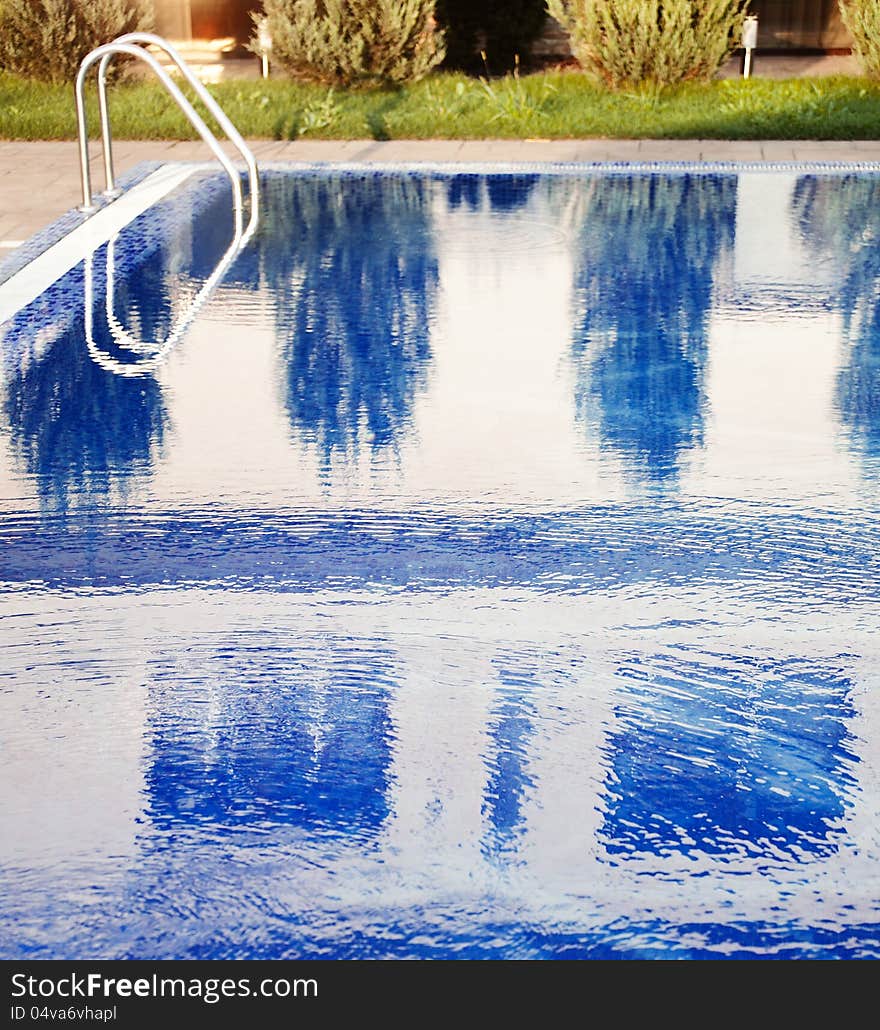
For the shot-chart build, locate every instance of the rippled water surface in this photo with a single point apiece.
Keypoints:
(490, 571)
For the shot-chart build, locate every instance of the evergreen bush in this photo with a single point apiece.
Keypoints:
(628, 42)
(47, 39)
(354, 42)
(862, 18)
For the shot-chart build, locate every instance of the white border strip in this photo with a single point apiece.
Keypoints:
(37, 276)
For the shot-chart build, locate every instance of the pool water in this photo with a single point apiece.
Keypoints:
(491, 570)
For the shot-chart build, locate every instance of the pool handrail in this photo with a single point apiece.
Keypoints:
(150, 39)
(109, 50)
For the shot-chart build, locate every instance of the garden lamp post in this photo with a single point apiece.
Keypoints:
(749, 42)
(265, 43)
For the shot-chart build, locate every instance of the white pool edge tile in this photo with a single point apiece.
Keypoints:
(24, 286)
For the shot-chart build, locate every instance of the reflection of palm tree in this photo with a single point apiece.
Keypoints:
(647, 254)
(354, 293)
(840, 217)
(79, 428)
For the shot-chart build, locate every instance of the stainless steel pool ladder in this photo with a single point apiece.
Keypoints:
(134, 44)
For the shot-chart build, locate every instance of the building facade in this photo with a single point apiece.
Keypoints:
(783, 24)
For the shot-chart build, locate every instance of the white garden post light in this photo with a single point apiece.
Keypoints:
(265, 42)
(749, 42)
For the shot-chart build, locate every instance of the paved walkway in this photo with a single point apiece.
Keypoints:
(40, 181)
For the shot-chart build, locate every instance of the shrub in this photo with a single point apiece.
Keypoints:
(504, 29)
(862, 18)
(354, 42)
(627, 42)
(47, 39)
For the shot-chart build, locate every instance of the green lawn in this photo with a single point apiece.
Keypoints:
(551, 105)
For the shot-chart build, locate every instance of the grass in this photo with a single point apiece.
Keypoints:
(546, 105)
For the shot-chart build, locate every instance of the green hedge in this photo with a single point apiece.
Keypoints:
(625, 43)
(47, 39)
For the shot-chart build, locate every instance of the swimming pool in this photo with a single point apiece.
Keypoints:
(489, 570)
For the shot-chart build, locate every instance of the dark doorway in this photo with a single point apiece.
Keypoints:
(221, 19)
